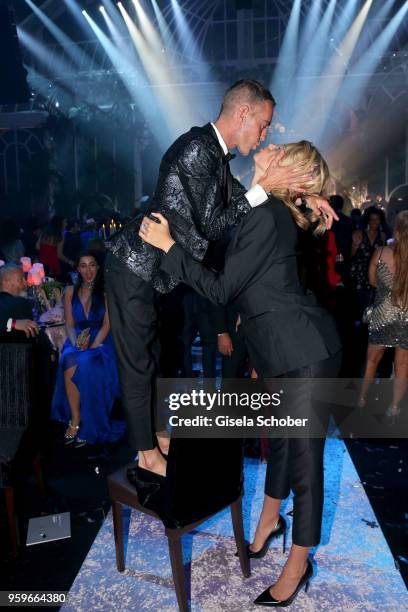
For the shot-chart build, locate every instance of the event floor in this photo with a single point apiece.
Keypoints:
(355, 568)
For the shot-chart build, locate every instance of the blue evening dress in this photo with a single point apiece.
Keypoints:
(96, 377)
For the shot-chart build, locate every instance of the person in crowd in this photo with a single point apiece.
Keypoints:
(87, 379)
(11, 246)
(364, 242)
(97, 246)
(31, 234)
(342, 231)
(17, 326)
(388, 326)
(287, 334)
(89, 233)
(198, 192)
(396, 205)
(16, 314)
(72, 240)
(356, 217)
(51, 246)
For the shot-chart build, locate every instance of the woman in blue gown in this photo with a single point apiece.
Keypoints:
(87, 380)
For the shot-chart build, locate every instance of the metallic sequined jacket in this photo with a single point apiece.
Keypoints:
(189, 193)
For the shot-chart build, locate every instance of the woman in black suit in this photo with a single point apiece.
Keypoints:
(287, 334)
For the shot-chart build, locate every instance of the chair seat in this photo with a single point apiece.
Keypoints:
(10, 438)
(122, 491)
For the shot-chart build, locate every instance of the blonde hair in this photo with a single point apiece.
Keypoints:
(308, 158)
(399, 293)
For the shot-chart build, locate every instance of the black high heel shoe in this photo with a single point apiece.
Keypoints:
(149, 486)
(280, 529)
(266, 599)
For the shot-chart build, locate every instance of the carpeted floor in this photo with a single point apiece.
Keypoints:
(355, 568)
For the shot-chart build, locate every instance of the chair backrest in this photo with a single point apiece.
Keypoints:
(203, 477)
(15, 384)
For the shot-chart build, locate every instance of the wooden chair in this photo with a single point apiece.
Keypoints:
(195, 490)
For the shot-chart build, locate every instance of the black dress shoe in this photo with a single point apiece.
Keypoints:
(266, 599)
(149, 486)
(280, 529)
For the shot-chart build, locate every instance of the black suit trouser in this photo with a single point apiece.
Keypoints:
(133, 319)
(297, 463)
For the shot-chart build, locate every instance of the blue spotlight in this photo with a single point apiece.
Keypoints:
(343, 22)
(286, 65)
(76, 55)
(368, 63)
(312, 21)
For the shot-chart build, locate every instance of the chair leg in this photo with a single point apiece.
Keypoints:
(179, 578)
(39, 475)
(12, 520)
(238, 526)
(118, 531)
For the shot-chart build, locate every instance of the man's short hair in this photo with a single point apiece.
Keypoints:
(245, 91)
(6, 271)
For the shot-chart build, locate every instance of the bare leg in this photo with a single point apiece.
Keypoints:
(73, 400)
(267, 521)
(163, 438)
(153, 461)
(292, 572)
(375, 353)
(401, 376)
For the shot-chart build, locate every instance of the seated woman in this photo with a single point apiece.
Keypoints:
(287, 334)
(87, 379)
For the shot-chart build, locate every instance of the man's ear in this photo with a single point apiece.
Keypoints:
(243, 111)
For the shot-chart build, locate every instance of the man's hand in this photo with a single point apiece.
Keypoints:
(30, 328)
(320, 206)
(275, 176)
(156, 233)
(225, 344)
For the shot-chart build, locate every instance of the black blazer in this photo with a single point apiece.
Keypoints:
(13, 308)
(190, 193)
(284, 326)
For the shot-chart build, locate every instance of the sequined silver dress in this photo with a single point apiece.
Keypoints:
(389, 323)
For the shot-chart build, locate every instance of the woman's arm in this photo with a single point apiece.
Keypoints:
(69, 319)
(104, 331)
(251, 251)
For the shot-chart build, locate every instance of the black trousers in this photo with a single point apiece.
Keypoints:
(234, 366)
(133, 319)
(197, 317)
(297, 463)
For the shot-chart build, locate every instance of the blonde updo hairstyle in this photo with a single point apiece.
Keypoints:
(308, 158)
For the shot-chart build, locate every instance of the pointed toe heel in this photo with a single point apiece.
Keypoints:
(266, 599)
(281, 528)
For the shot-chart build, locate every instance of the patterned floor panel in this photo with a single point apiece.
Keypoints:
(355, 568)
